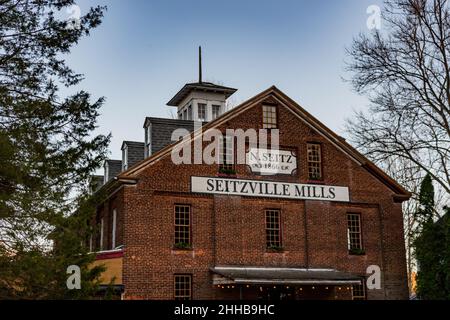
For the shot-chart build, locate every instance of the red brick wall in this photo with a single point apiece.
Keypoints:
(230, 230)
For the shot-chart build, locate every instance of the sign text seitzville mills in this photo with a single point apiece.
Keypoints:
(273, 189)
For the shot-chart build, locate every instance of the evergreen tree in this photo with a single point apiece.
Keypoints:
(426, 200)
(445, 261)
(47, 151)
(432, 248)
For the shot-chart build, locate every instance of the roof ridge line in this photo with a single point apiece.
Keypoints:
(304, 115)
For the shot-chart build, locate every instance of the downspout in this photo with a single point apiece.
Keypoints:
(306, 236)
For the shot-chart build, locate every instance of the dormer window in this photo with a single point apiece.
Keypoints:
(106, 176)
(125, 158)
(148, 140)
(201, 112)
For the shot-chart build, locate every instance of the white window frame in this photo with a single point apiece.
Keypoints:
(359, 244)
(205, 111)
(149, 140)
(226, 152)
(270, 117)
(91, 246)
(101, 233)
(189, 112)
(113, 235)
(213, 114)
(125, 158)
(105, 178)
(363, 289)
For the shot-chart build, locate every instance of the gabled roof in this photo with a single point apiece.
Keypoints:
(169, 121)
(199, 86)
(273, 92)
(132, 144)
(112, 162)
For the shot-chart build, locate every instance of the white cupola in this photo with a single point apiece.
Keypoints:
(201, 101)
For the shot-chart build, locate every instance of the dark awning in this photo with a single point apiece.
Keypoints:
(292, 276)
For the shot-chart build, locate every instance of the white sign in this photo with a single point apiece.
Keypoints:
(266, 161)
(273, 189)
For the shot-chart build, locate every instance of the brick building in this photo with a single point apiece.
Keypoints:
(241, 231)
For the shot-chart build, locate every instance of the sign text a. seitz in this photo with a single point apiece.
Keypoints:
(274, 189)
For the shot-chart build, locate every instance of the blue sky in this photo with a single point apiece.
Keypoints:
(145, 51)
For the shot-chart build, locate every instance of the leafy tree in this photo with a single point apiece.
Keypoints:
(47, 151)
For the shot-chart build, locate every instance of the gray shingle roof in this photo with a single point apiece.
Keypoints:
(114, 168)
(135, 151)
(199, 86)
(162, 129)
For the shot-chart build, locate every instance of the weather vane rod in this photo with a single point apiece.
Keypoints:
(200, 64)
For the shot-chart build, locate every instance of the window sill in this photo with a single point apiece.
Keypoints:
(268, 250)
(315, 181)
(362, 253)
(227, 175)
(182, 249)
